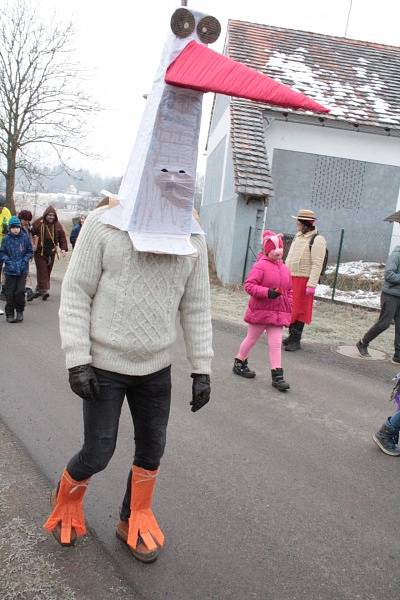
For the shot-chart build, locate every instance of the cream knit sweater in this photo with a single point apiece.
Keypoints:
(303, 263)
(119, 307)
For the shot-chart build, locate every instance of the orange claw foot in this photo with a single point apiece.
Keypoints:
(67, 521)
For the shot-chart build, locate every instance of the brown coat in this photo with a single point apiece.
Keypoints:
(55, 233)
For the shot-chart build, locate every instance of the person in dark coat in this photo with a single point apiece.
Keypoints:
(390, 308)
(76, 231)
(25, 216)
(15, 253)
(49, 237)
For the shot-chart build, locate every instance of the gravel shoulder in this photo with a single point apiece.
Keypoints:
(32, 565)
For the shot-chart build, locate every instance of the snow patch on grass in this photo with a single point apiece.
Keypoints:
(357, 297)
(358, 268)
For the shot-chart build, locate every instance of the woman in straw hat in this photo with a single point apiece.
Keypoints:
(305, 261)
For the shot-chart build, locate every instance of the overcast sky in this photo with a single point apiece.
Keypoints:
(121, 43)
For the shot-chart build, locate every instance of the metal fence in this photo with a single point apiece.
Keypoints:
(354, 282)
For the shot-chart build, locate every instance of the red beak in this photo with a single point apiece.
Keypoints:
(200, 68)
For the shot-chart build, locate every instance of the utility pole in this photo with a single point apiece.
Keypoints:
(183, 2)
(348, 17)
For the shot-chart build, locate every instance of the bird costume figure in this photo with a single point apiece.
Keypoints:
(139, 263)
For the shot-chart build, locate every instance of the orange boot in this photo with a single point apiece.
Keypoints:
(67, 521)
(142, 532)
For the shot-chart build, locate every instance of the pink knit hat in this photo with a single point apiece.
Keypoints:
(271, 241)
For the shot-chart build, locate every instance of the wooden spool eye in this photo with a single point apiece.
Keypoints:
(182, 23)
(208, 30)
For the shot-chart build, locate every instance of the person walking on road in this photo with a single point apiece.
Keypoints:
(387, 437)
(25, 216)
(15, 253)
(5, 216)
(49, 236)
(390, 308)
(269, 310)
(76, 231)
(305, 261)
(118, 312)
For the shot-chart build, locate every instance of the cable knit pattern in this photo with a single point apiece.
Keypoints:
(119, 307)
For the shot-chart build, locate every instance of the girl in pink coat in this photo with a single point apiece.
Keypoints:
(269, 286)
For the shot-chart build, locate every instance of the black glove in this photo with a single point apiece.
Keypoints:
(201, 390)
(273, 293)
(83, 382)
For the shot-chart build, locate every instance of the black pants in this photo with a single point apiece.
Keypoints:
(390, 309)
(15, 293)
(149, 400)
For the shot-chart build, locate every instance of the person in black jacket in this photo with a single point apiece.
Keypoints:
(76, 231)
(390, 308)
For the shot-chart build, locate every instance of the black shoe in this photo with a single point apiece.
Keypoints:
(29, 295)
(289, 338)
(45, 296)
(20, 317)
(10, 319)
(35, 295)
(396, 359)
(386, 439)
(363, 349)
(293, 346)
(278, 381)
(296, 331)
(240, 367)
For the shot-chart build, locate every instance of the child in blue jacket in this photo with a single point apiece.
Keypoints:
(15, 254)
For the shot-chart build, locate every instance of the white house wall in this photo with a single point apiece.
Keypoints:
(219, 202)
(218, 210)
(342, 143)
(219, 130)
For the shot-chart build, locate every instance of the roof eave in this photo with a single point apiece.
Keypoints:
(381, 128)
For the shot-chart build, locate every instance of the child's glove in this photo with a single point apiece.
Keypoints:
(83, 382)
(272, 294)
(201, 390)
(310, 291)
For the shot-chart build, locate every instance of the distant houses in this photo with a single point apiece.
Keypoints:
(68, 204)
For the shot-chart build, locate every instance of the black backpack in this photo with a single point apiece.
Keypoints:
(324, 264)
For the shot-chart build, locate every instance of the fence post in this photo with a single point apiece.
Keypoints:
(247, 254)
(337, 264)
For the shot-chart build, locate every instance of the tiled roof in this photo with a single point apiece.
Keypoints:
(251, 168)
(359, 81)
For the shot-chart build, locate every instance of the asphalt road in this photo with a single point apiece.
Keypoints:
(261, 495)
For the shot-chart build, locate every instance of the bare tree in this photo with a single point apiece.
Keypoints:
(41, 99)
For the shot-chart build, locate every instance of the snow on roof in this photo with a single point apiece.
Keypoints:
(359, 81)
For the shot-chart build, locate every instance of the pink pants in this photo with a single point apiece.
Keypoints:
(274, 335)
